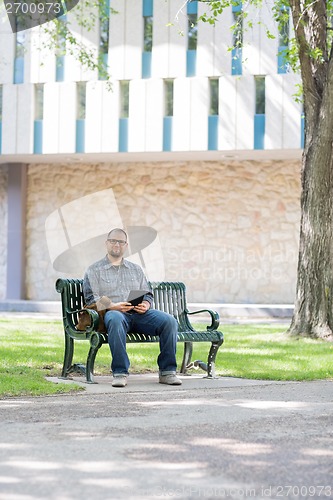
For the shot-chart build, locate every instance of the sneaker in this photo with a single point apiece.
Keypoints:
(119, 381)
(170, 379)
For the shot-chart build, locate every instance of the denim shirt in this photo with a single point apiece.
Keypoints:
(115, 282)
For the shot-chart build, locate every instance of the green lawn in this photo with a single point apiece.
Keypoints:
(33, 348)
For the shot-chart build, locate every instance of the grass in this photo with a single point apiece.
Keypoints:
(31, 349)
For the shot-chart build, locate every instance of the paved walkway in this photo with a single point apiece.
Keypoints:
(223, 438)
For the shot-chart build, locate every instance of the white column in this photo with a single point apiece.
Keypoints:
(59, 125)
(154, 115)
(137, 118)
(133, 40)
(274, 112)
(51, 118)
(17, 119)
(227, 113)
(110, 117)
(41, 60)
(102, 110)
(199, 96)
(181, 125)
(161, 35)
(9, 118)
(291, 126)
(117, 40)
(93, 122)
(67, 117)
(245, 108)
(74, 69)
(223, 42)
(206, 46)
(252, 42)
(177, 43)
(25, 119)
(268, 47)
(7, 53)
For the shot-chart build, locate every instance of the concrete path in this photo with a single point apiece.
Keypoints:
(223, 438)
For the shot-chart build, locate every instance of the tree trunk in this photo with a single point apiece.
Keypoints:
(313, 314)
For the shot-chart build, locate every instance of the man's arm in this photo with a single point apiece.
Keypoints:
(90, 287)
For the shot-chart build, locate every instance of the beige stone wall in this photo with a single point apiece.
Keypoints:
(3, 230)
(228, 230)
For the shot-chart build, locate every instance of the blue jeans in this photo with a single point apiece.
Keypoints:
(152, 322)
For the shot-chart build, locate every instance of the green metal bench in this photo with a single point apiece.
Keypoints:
(168, 297)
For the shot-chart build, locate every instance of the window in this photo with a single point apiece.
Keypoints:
(147, 13)
(259, 115)
(237, 34)
(104, 31)
(214, 96)
(61, 37)
(19, 57)
(260, 95)
(104, 28)
(168, 98)
(148, 34)
(20, 41)
(283, 27)
(192, 32)
(1, 103)
(124, 98)
(39, 101)
(81, 100)
(237, 39)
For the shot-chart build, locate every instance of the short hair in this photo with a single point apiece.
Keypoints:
(117, 229)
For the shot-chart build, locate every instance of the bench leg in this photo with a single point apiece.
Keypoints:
(68, 356)
(211, 358)
(188, 349)
(96, 340)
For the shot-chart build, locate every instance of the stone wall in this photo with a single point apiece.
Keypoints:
(3, 230)
(228, 230)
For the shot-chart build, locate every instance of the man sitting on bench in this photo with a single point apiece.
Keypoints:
(114, 277)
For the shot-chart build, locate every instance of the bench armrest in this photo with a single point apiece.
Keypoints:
(214, 317)
(94, 316)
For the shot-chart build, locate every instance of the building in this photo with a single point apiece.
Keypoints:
(197, 145)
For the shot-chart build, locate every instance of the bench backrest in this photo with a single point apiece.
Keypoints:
(169, 297)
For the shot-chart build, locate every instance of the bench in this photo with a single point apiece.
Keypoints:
(169, 297)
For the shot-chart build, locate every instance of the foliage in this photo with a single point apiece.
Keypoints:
(61, 37)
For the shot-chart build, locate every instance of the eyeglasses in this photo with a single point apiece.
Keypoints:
(120, 242)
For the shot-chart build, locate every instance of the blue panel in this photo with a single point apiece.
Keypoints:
(259, 132)
(0, 136)
(167, 133)
(236, 61)
(80, 133)
(237, 7)
(146, 64)
(282, 63)
(19, 70)
(302, 130)
(123, 135)
(38, 136)
(60, 68)
(147, 8)
(213, 124)
(191, 60)
(192, 7)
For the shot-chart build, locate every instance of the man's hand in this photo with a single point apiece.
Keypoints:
(123, 307)
(142, 308)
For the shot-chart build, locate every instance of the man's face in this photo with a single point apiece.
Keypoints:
(116, 244)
